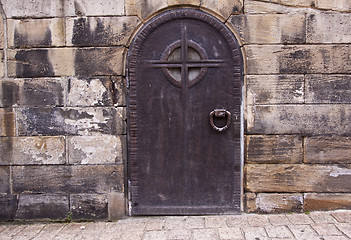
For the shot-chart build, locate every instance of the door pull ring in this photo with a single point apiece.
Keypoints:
(220, 113)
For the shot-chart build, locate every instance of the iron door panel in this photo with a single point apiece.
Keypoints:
(184, 64)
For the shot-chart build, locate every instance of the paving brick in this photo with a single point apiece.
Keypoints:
(345, 228)
(342, 216)
(326, 229)
(275, 89)
(11, 231)
(273, 149)
(70, 231)
(201, 234)
(230, 233)
(29, 232)
(304, 232)
(179, 233)
(100, 31)
(26, 33)
(151, 235)
(155, 224)
(104, 149)
(255, 233)
(278, 232)
(299, 218)
(215, 222)
(238, 221)
(41, 206)
(195, 222)
(322, 217)
(256, 220)
(50, 231)
(278, 219)
(278, 28)
(175, 223)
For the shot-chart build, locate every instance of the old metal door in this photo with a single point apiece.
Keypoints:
(185, 71)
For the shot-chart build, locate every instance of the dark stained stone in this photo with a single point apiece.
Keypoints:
(89, 206)
(8, 203)
(33, 63)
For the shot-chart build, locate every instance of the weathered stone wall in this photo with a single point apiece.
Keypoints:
(63, 103)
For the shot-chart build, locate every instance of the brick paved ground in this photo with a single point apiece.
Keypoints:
(333, 225)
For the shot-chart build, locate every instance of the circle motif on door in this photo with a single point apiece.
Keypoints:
(185, 62)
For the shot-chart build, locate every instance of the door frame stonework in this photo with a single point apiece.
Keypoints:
(129, 79)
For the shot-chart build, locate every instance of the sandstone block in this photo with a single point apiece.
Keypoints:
(65, 62)
(270, 28)
(273, 89)
(326, 202)
(41, 206)
(24, 33)
(89, 206)
(322, 88)
(325, 149)
(258, 7)
(299, 119)
(32, 150)
(4, 179)
(329, 28)
(41, 62)
(104, 149)
(8, 203)
(94, 91)
(93, 8)
(143, 9)
(2, 41)
(273, 149)
(9, 93)
(32, 92)
(68, 179)
(250, 202)
(116, 206)
(99, 61)
(179, 2)
(100, 31)
(297, 3)
(339, 5)
(119, 90)
(285, 178)
(71, 121)
(224, 7)
(7, 122)
(38, 9)
(276, 203)
(270, 59)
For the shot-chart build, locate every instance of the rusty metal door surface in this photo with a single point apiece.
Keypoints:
(184, 72)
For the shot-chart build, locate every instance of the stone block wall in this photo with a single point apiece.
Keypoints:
(63, 103)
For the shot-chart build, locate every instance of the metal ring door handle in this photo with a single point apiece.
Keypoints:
(220, 113)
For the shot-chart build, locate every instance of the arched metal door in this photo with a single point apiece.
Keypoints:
(185, 73)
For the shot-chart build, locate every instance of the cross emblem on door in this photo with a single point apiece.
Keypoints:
(184, 62)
